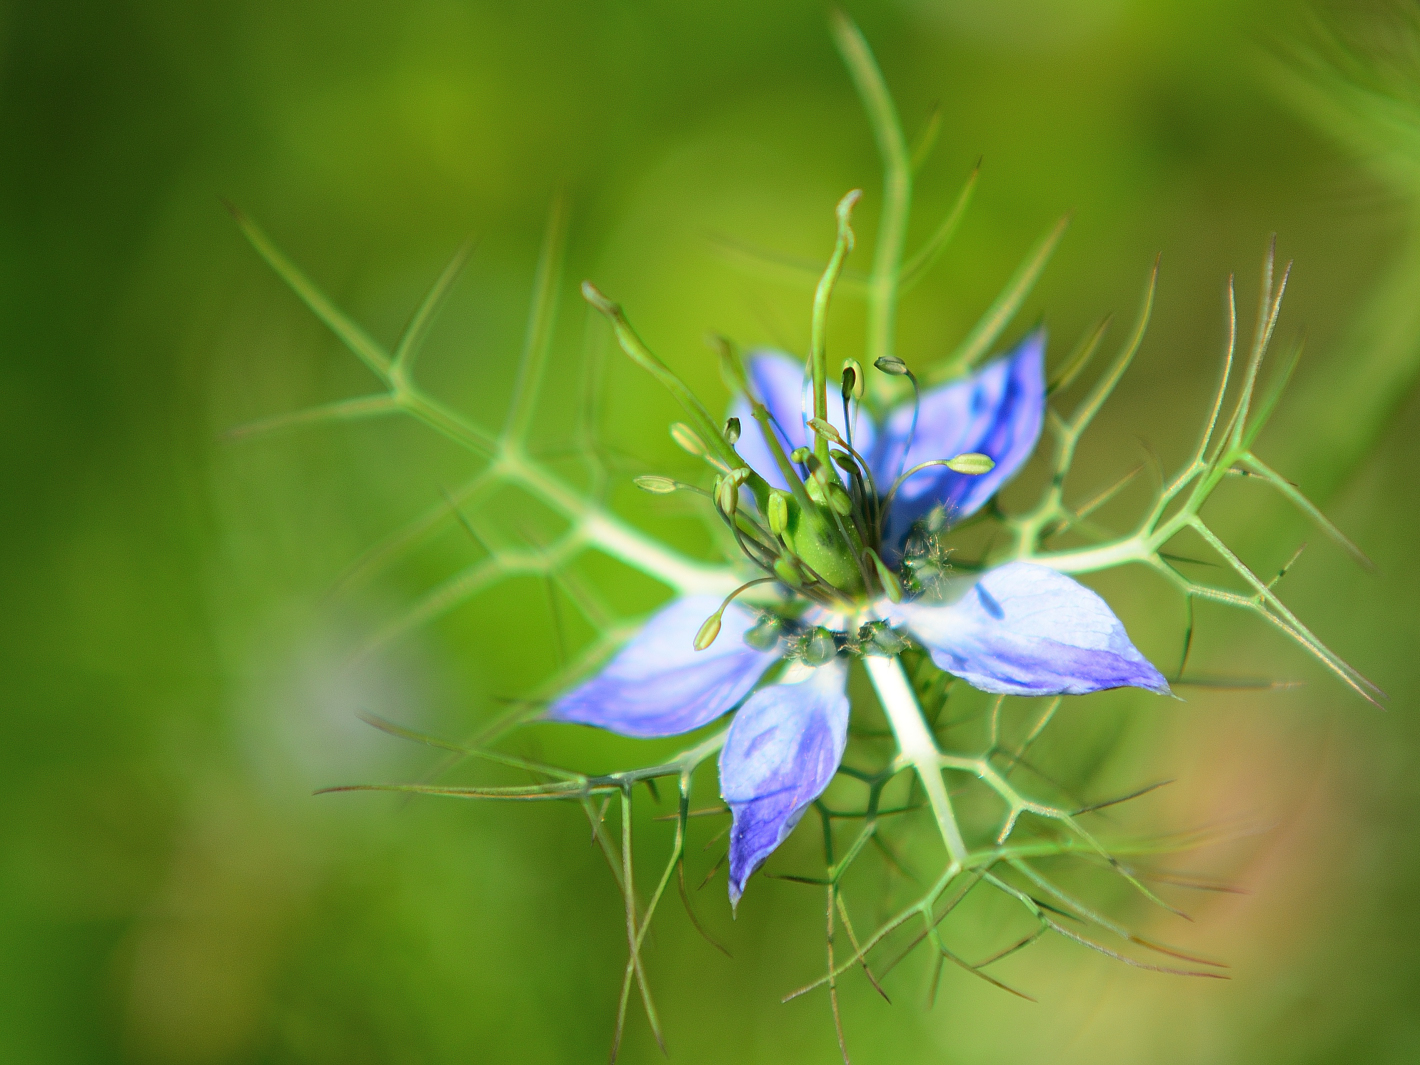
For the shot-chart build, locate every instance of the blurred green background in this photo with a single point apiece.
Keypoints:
(175, 671)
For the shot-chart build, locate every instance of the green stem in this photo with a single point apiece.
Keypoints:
(916, 745)
(818, 340)
(594, 524)
(897, 188)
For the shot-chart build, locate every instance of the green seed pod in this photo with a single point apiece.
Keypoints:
(661, 486)
(891, 364)
(972, 462)
(732, 430)
(778, 512)
(706, 636)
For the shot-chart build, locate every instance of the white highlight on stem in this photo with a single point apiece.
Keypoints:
(916, 745)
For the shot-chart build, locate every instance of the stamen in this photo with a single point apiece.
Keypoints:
(891, 364)
(711, 628)
(972, 463)
(892, 587)
(863, 467)
(852, 389)
(690, 442)
(661, 486)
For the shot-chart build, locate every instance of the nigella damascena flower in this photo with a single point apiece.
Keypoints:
(862, 570)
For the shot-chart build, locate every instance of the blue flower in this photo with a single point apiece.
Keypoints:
(1017, 629)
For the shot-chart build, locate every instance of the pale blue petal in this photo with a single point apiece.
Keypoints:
(1023, 629)
(783, 749)
(778, 380)
(997, 411)
(659, 685)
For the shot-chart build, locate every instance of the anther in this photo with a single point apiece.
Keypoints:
(971, 462)
(825, 428)
(661, 486)
(711, 628)
(778, 512)
(732, 430)
(852, 380)
(708, 631)
(727, 495)
(688, 440)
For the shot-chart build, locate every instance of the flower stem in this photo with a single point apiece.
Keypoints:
(916, 745)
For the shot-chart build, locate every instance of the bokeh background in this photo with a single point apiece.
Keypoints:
(176, 675)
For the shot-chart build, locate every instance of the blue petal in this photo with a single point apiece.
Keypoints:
(997, 411)
(1023, 629)
(659, 685)
(779, 382)
(783, 749)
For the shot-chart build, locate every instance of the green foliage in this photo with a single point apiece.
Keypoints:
(1006, 860)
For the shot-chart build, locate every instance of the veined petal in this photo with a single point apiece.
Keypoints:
(779, 382)
(1023, 629)
(659, 685)
(997, 411)
(783, 749)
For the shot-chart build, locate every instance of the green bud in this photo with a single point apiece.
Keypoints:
(936, 519)
(787, 570)
(839, 499)
(732, 430)
(879, 638)
(844, 460)
(892, 587)
(689, 442)
(820, 647)
(661, 486)
(891, 364)
(706, 636)
(972, 462)
(800, 455)
(852, 380)
(778, 512)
